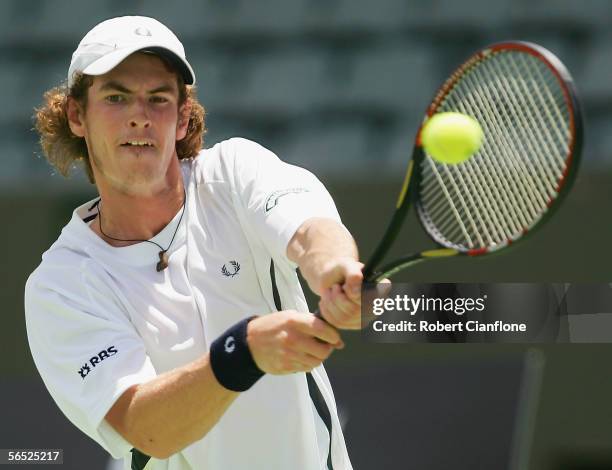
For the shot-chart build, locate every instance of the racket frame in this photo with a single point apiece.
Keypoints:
(409, 192)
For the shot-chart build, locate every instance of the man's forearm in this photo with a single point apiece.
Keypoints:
(315, 244)
(163, 416)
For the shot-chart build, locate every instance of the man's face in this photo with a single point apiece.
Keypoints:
(131, 124)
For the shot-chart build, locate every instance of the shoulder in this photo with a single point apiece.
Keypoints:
(231, 158)
(59, 270)
(67, 300)
(63, 276)
(239, 147)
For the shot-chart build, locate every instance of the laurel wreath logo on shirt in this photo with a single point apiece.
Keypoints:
(235, 267)
(272, 199)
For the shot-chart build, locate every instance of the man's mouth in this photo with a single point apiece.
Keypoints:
(137, 143)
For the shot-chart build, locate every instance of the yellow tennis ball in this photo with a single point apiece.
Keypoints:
(451, 137)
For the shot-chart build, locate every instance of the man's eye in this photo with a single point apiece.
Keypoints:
(159, 99)
(114, 98)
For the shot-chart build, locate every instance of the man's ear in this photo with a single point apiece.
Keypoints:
(183, 120)
(75, 116)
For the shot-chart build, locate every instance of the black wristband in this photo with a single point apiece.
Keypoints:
(231, 359)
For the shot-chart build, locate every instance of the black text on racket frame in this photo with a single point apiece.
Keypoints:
(524, 98)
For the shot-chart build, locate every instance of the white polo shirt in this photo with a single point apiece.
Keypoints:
(101, 319)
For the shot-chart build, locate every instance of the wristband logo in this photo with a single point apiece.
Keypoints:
(94, 361)
(230, 344)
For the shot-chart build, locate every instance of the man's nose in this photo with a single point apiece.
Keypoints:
(140, 116)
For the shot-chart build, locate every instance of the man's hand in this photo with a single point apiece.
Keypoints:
(327, 256)
(340, 289)
(289, 341)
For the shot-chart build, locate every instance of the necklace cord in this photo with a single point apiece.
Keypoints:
(163, 251)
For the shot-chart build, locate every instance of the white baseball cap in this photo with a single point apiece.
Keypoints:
(111, 41)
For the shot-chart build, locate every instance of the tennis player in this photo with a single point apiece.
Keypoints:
(167, 320)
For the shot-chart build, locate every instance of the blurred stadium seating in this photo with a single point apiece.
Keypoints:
(273, 70)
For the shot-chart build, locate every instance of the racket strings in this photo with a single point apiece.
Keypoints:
(538, 120)
(562, 131)
(481, 209)
(533, 128)
(480, 230)
(458, 212)
(502, 202)
(550, 101)
(486, 117)
(506, 188)
(514, 143)
(512, 201)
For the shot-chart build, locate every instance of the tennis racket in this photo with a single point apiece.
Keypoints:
(524, 99)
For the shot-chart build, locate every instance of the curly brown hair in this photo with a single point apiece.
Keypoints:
(63, 149)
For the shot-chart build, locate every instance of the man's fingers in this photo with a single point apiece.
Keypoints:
(297, 361)
(379, 290)
(339, 310)
(342, 301)
(306, 363)
(289, 341)
(384, 287)
(352, 281)
(310, 361)
(328, 311)
(331, 311)
(324, 331)
(314, 347)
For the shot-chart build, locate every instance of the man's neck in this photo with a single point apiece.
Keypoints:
(137, 217)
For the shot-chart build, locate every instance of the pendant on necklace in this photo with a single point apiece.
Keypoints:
(163, 261)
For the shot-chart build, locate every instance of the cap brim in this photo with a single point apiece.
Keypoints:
(110, 61)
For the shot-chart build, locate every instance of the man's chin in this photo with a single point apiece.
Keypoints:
(138, 151)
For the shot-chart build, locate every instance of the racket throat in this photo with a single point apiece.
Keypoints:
(399, 264)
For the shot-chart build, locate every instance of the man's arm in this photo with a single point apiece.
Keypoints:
(177, 408)
(328, 259)
(166, 414)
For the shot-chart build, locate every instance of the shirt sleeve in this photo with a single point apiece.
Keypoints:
(278, 197)
(86, 356)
